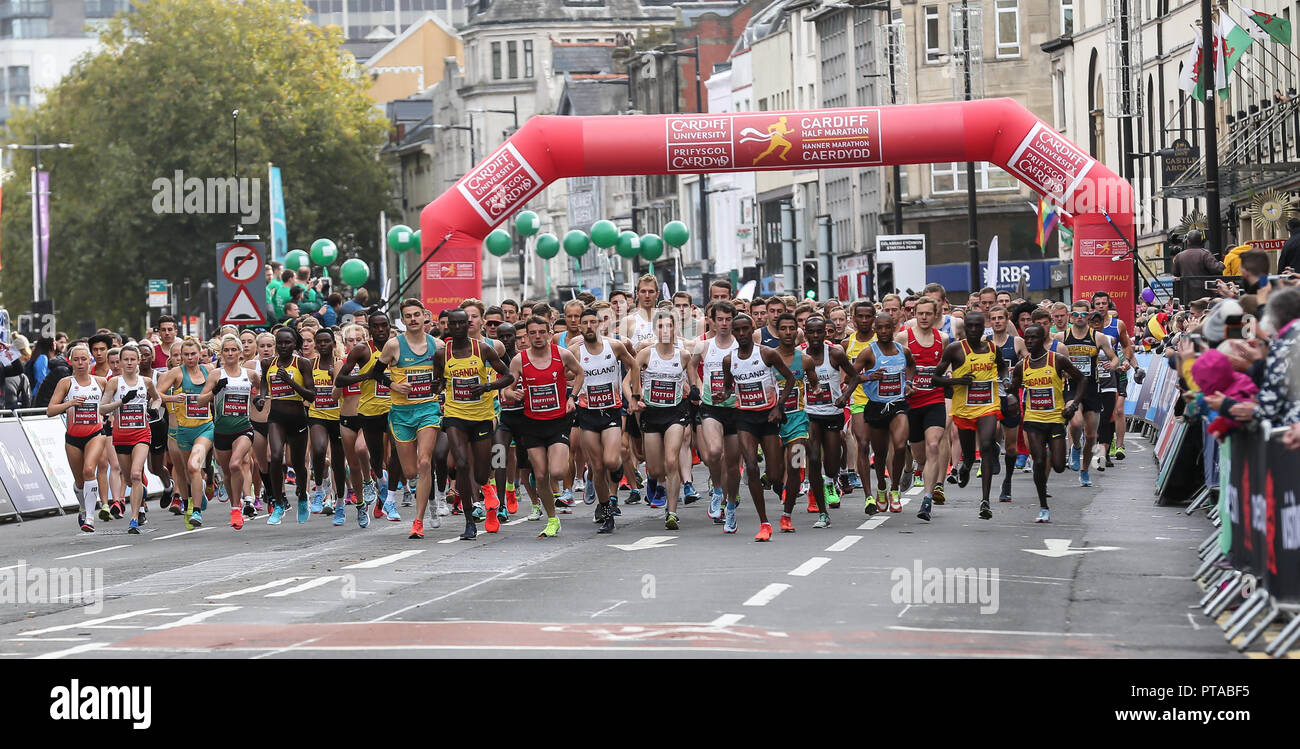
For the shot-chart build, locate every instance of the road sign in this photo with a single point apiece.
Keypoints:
(157, 293)
(241, 285)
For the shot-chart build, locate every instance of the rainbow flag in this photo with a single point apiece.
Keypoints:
(1048, 218)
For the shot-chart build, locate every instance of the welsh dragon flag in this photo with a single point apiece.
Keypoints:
(1276, 26)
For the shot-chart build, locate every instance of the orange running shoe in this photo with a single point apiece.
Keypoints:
(787, 525)
(417, 529)
(764, 532)
(491, 523)
(236, 518)
(812, 503)
(490, 499)
(512, 501)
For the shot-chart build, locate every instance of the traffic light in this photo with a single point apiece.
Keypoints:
(884, 280)
(810, 279)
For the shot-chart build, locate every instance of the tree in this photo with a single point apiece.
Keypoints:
(157, 97)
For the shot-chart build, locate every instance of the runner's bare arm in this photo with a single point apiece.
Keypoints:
(107, 406)
(356, 356)
(513, 393)
(57, 406)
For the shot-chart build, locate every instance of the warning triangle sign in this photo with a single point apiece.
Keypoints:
(243, 310)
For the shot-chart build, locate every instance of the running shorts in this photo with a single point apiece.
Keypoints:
(406, 421)
(544, 432)
(921, 419)
(476, 431)
(756, 423)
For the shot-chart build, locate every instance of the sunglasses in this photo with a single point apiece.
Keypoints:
(494, 322)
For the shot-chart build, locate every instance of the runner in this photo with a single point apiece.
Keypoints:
(194, 429)
(415, 416)
(1108, 386)
(232, 387)
(540, 373)
(284, 379)
(157, 428)
(976, 367)
(324, 430)
(881, 368)
(1084, 348)
(864, 320)
(468, 415)
(794, 426)
(719, 443)
(825, 414)
(372, 414)
(258, 415)
(1012, 348)
(598, 413)
(350, 431)
(508, 434)
(85, 442)
(748, 370)
(1118, 331)
(664, 414)
(132, 395)
(1043, 374)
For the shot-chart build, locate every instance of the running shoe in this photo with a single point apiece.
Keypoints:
(250, 511)
(258, 506)
(601, 511)
(670, 522)
(1028, 467)
(133, 528)
(832, 495)
(580, 482)
(1113, 448)
(715, 505)
(1021, 461)
(926, 507)
(1075, 455)
(435, 522)
(84, 522)
(440, 507)
(478, 513)
(236, 518)
(454, 503)
(317, 502)
(613, 506)
(787, 525)
(502, 513)
(470, 533)
(369, 493)
(189, 511)
(952, 475)
(985, 512)
(895, 502)
(823, 521)
(730, 526)
(390, 510)
(938, 494)
(764, 532)
(689, 495)
(339, 516)
(870, 506)
(512, 501)
(491, 500)
(144, 513)
(196, 519)
(659, 499)
(812, 503)
(537, 513)
(918, 480)
(1109, 463)
(277, 513)
(1119, 454)
(104, 513)
(1084, 479)
(552, 528)
(566, 498)
(304, 510)
(222, 495)
(177, 506)
(117, 509)
(363, 515)
(804, 487)
(963, 475)
(492, 523)
(979, 471)
(289, 477)
(417, 529)
(607, 525)
(327, 508)
(1044, 516)
(855, 481)
(408, 497)
(1005, 496)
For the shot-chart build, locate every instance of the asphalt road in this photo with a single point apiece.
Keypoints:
(1112, 580)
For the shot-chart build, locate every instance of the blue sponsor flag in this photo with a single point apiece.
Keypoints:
(279, 232)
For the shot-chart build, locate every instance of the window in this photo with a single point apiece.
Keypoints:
(762, 104)
(1008, 22)
(24, 28)
(951, 177)
(1058, 78)
(933, 52)
(528, 58)
(1067, 17)
(496, 61)
(19, 80)
(512, 57)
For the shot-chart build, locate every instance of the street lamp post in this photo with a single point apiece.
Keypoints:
(473, 152)
(38, 265)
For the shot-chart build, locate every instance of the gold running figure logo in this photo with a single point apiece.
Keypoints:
(775, 136)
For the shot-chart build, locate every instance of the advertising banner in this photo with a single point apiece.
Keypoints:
(21, 471)
(46, 437)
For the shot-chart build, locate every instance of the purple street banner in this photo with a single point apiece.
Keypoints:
(43, 197)
(21, 473)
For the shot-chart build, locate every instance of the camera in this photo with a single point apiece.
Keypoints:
(1233, 327)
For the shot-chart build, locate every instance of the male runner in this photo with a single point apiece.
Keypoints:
(1012, 348)
(976, 368)
(1117, 329)
(719, 445)
(927, 414)
(1043, 374)
(864, 320)
(881, 369)
(825, 413)
(794, 428)
(661, 369)
(1084, 349)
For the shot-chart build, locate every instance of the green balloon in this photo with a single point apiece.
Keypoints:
(498, 243)
(604, 234)
(297, 259)
(629, 244)
(576, 243)
(415, 241)
(399, 238)
(355, 272)
(651, 247)
(548, 246)
(527, 223)
(676, 234)
(324, 252)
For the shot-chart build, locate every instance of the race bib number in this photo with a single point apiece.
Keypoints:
(192, 408)
(601, 396)
(791, 404)
(325, 397)
(751, 395)
(421, 385)
(924, 378)
(460, 392)
(1083, 364)
(235, 404)
(980, 393)
(543, 398)
(280, 389)
(85, 415)
(354, 388)
(892, 385)
(715, 385)
(663, 393)
(382, 390)
(132, 416)
(821, 397)
(1042, 399)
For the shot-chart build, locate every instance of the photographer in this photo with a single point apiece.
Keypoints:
(1195, 259)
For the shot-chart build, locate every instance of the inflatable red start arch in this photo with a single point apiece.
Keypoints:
(999, 131)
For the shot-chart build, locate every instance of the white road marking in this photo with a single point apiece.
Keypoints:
(766, 595)
(449, 540)
(1060, 547)
(874, 522)
(11, 567)
(516, 521)
(726, 620)
(89, 622)
(96, 551)
(649, 542)
(844, 543)
(370, 564)
(471, 586)
(809, 567)
(1192, 619)
(254, 589)
(915, 491)
(49, 639)
(182, 533)
(904, 611)
(82, 648)
(196, 618)
(270, 653)
(304, 586)
(996, 632)
(607, 609)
